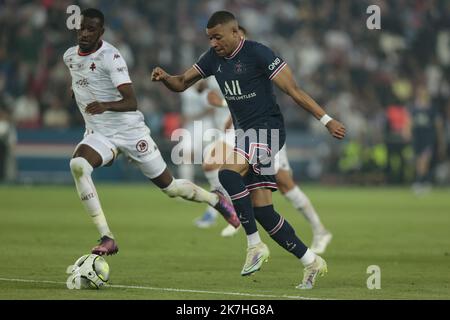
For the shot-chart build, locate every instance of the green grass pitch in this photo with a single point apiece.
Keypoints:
(162, 255)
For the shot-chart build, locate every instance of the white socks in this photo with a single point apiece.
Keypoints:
(308, 258)
(213, 179)
(301, 202)
(189, 191)
(253, 239)
(186, 171)
(81, 172)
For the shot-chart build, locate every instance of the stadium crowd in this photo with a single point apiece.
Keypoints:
(370, 79)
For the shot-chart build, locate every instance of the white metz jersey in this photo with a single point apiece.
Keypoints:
(96, 77)
(193, 103)
(222, 113)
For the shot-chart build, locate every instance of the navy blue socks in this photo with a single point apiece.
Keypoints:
(280, 230)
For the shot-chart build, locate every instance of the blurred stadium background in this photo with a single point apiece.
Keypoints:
(369, 79)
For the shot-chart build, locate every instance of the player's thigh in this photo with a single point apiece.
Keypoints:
(96, 149)
(261, 197)
(236, 162)
(215, 155)
(145, 154)
(423, 151)
(284, 180)
(281, 160)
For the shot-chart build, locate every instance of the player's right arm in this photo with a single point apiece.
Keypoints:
(177, 83)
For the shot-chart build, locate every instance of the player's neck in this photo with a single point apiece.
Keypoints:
(237, 49)
(98, 46)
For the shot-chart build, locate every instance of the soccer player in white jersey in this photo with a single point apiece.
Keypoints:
(217, 151)
(197, 114)
(104, 94)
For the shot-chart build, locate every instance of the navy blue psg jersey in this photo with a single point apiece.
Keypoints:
(245, 78)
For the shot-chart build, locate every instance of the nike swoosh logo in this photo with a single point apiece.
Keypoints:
(255, 263)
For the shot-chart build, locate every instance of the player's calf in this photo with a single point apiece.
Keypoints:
(280, 230)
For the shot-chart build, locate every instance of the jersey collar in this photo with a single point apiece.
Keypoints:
(90, 52)
(236, 51)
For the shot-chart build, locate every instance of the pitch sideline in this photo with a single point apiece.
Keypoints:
(256, 295)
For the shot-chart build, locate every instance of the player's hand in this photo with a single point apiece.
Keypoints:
(336, 129)
(96, 107)
(159, 74)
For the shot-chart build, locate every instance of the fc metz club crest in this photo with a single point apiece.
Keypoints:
(239, 67)
(142, 146)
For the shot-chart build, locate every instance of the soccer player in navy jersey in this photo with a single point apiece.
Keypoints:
(215, 156)
(244, 70)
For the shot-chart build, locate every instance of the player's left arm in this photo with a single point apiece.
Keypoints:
(286, 82)
(128, 102)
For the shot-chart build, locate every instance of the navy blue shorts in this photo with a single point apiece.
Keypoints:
(259, 147)
(423, 144)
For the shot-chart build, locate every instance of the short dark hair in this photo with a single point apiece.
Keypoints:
(220, 17)
(94, 13)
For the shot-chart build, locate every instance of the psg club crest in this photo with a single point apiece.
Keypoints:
(142, 146)
(239, 67)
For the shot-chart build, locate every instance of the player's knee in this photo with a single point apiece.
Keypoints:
(80, 166)
(282, 187)
(228, 177)
(284, 181)
(180, 188)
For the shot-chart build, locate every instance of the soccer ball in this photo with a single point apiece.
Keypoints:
(90, 271)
